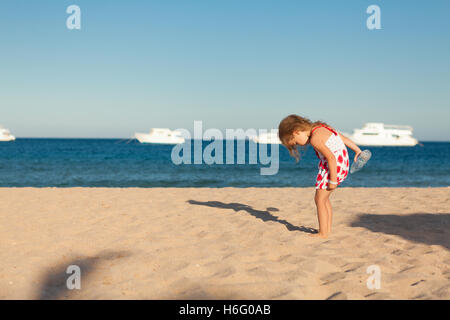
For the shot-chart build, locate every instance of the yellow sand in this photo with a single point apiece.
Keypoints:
(229, 243)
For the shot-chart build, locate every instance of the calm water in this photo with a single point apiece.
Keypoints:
(115, 163)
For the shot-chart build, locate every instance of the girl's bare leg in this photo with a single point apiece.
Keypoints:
(321, 199)
(330, 214)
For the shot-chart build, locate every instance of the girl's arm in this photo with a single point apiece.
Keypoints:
(349, 143)
(320, 146)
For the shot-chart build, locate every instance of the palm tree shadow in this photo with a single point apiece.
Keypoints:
(53, 281)
(428, 228)
(259, 214)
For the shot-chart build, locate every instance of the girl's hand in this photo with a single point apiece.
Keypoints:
(356, 155)
(331, 186)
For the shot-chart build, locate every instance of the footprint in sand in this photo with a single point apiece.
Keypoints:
(446, 273)
(176, 266)
(397, 252)
(280, 294)
(258, 271)
(332, 277)
(337, 296)
(407, 269)
(223, 273)
(201, 234)
(227, 255)
(416, 283)
(350, 267)
(378, 296)
(290, 259)
(443, 292)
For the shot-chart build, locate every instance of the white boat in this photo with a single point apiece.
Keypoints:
(5, 135)
(379, 134)
(160, 135)
(267, 138)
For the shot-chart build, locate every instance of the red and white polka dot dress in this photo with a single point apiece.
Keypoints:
(338, 148)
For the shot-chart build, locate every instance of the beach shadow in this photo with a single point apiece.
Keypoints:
(431, 229)
(53, 281)
(259, 214)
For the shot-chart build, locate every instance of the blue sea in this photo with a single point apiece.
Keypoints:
(121, 163)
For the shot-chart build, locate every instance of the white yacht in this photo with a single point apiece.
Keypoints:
(160, 135)
(379, 134)
(267, 138)
(5, 135)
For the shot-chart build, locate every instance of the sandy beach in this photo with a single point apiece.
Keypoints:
(229, 243)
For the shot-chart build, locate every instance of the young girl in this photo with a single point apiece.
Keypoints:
(330, 148)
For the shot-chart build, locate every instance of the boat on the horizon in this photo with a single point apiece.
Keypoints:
(380, 134)
(5, 135)
(267, 138)
(161, 136)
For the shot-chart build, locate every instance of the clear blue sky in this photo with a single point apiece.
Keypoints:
(231, 63)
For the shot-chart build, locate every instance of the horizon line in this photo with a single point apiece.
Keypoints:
(118, 138)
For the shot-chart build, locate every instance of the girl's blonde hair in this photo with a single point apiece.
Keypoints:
(290, 124)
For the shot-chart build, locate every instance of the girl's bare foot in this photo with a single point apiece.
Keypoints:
(319, 235)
